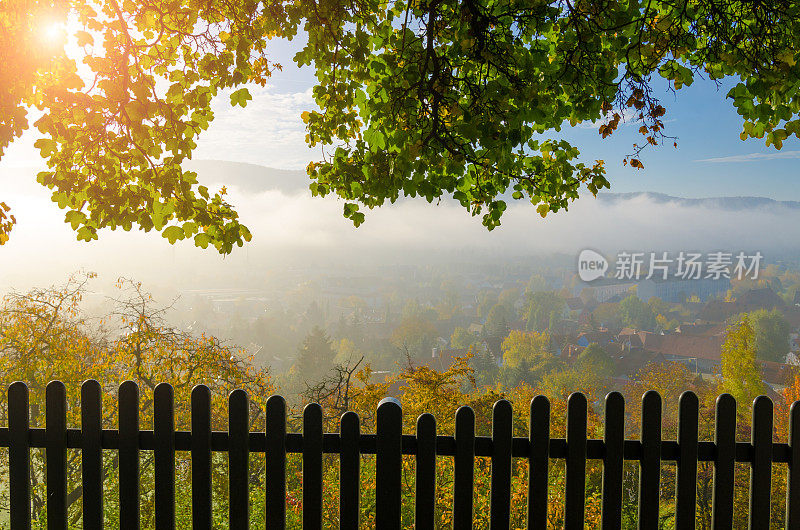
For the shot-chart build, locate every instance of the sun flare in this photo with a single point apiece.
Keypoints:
(52, 32)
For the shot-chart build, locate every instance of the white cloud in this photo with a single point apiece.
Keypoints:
(296, 226)
(269, 131)
(754, 157)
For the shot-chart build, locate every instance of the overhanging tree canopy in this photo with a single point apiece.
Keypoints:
(431, 98)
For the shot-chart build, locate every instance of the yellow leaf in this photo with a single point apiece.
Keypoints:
(543, 209)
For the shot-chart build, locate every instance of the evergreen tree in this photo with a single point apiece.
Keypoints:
(485, 367)
(314, 357)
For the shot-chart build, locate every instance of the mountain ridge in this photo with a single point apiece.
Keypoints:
(732, 203)
(255, 178)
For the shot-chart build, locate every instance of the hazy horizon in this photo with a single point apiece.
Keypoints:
(290, 229)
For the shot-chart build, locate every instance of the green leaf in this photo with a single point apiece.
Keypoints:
(46, 146)
(173, 234)
(241, 97)
(202, 240)
(84, 38)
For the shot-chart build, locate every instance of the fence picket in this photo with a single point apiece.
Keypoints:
(349, 471)
(761, 466)
(686, 476)
(464, 468)
(724, 463)
(793, 472)
(312, 466)
(650, 463)
(56, 454)
(128, 456)
(388, 465)
(92, 453)
(500, 495)
(614, 439)
(275, 502)
(425, 496)
(201, 458)
(19, 457)
(538, 462)
(238, 460)
(575, 497)
(164, 456)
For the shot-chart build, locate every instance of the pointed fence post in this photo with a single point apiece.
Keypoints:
(164, 456)
(538, 462)
(724, 464)
(650, 463)
(276, 463)
(614, 440)
(464, 468)
(239, 460)
(92, 453)
(56, 454)
(349, 471)
(19, 456)
(388, 464)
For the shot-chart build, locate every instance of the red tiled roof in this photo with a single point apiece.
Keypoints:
(631, 362)
(762, 298)
(599, 336)
(752, 300)
(718, 311)
(681, 345)
(775, 373)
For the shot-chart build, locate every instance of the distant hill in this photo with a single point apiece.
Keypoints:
(718, 203)
(253, 178)
(250, 178)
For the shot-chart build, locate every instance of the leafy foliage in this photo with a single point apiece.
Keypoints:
(464, 98)
(771, 334)
(414, 336)
(462, 338)
(119, 120)
(498, 320)
(595, 359)
(637, 314)
(543, 308)
(521, 346)
(45, 336)
(741, 376)
(430, 99)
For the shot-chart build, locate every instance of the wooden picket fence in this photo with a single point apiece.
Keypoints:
(388, 445)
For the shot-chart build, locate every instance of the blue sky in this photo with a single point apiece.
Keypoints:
(710, 160)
